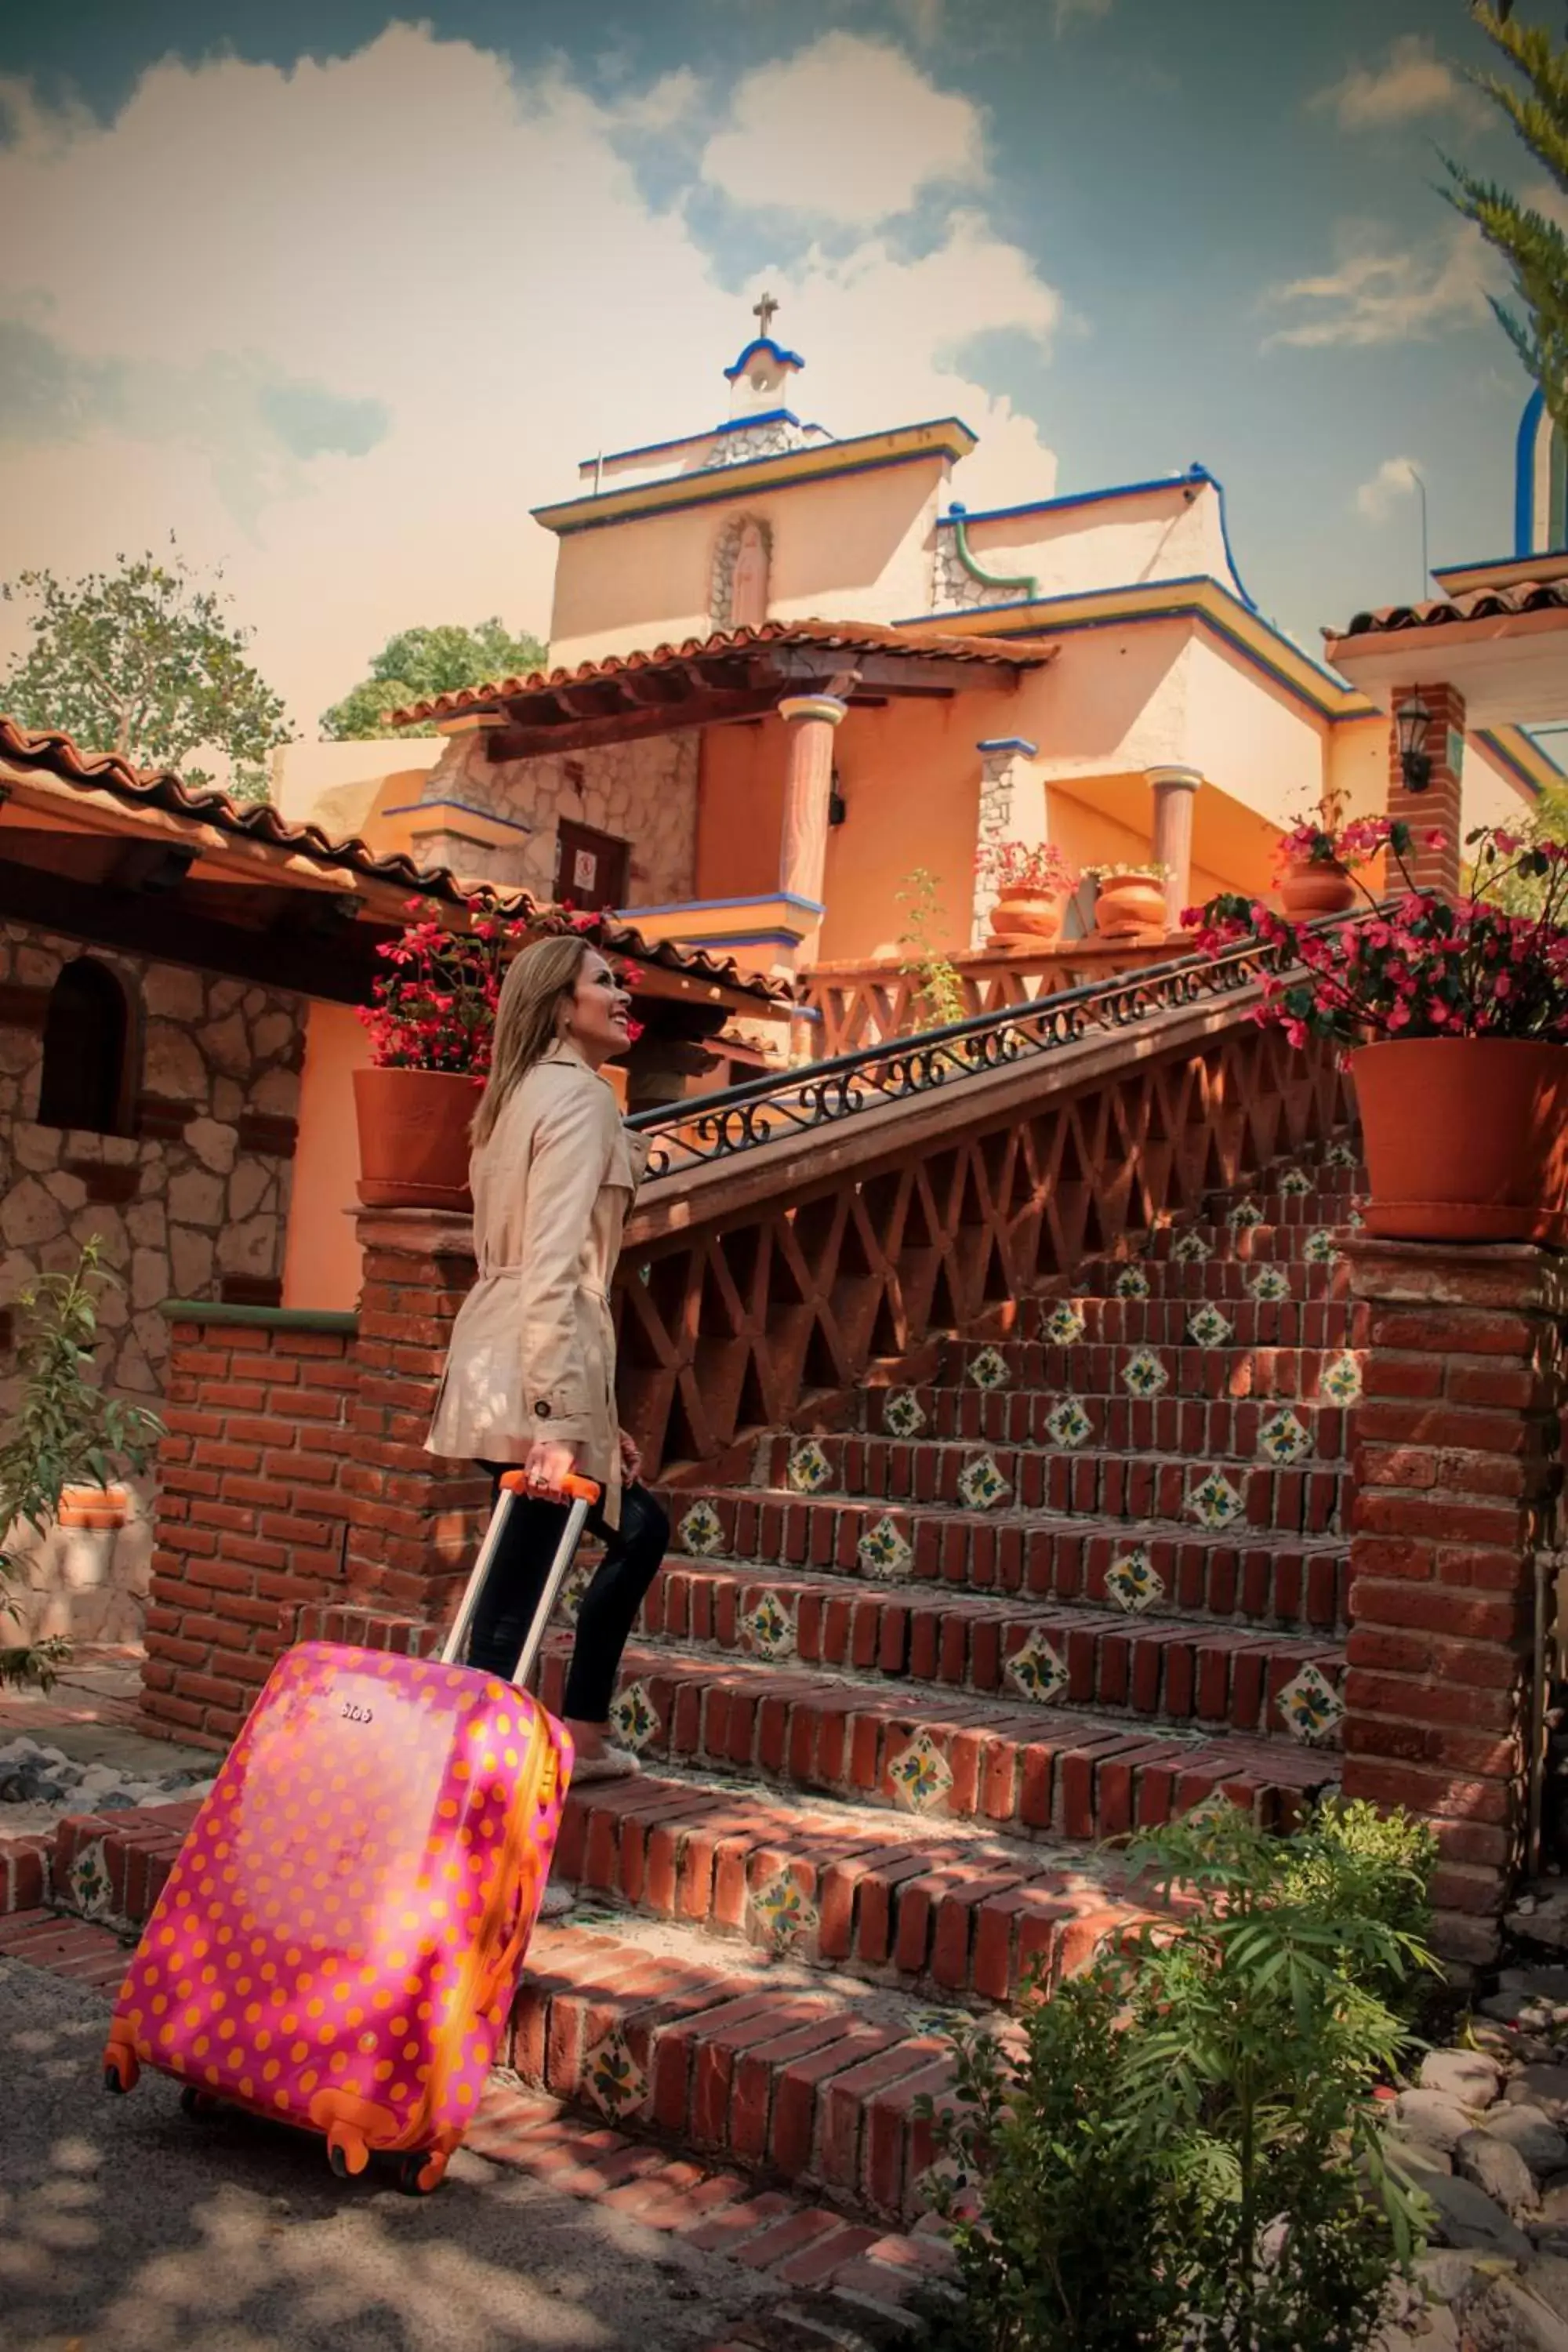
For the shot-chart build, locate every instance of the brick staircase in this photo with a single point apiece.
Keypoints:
(900, 1678)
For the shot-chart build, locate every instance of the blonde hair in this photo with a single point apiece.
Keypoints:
(530, 999)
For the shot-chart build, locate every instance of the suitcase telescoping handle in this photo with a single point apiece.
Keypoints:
(582, 1493)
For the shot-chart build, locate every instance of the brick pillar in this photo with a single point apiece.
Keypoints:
(1438, 808)
(412, 1520)
(1458, 1512)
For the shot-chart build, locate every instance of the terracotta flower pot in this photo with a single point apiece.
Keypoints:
(1466, 1139)
(1130, 902)
(93, 1506)
(1308, 890)
(1025, 917)
(414, 1138)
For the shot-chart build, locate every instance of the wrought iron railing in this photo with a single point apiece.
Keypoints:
(766, 1110)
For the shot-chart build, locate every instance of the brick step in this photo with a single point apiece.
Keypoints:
(1143, 1666)
(1327, 1179)
(959, 1912)
(1270, 1346)
(1300, 1242)
(768, 2065)
(1262, 1577)
(1213, 1380)
(1036, 1429)
(1026, 1768)
(1261, 1205)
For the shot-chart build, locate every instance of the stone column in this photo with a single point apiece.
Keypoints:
(1436, 810)
(1456, 1530)
(1174, 791)
(812, 719)
(1001, 818)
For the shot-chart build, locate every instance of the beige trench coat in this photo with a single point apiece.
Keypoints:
(534, 1350)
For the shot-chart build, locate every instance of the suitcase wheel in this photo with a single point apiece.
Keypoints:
(420, 2171)
(346, 2152)
(120, 2070)
(199, 2104)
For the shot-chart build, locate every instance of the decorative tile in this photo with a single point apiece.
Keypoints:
(1064, 1326)
(809, 1469)
(1320, 1248)
(1133, 1584)
(1339, 1155)
(920, 1774)
(989, 1370)
(1284, 1438)
(885, 1553)
(981, 1486)
(942, 2024)
(1244, 1216)
(783, 1913)
(1209, 1328)
(1070, 1424)
(701, 1531)
(1038, 1670)
(768, 1627)
(1191, 1250)
(1143, 1375)
(645, 1275)
(1132, 1283)
(579, 1577)
(91, 1894)
(1214, 1502)
(1295, 1183)
(612, 2078)
(1356, 1222)
(1212, 1813)
(1342, 1380)
(635, 1718)
(1269, 1284)
(903, 1413)
(1311, 1706)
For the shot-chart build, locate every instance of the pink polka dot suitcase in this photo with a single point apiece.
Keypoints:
(338, 1942)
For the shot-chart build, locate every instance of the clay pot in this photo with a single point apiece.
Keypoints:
(1025, 917)
(414, 1138)
(1308, 890)
(93, 1506)
(1466, 1139)
(1130, 902)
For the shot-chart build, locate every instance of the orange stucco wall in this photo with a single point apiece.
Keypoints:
(321, 1262)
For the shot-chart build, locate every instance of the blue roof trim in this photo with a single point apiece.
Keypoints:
(1487, 563)
(1507, 758)
(763, 416)
(1008, 743)
(763, 343)
(1195, 473)
(1524, 475)
(708, 905)
(464, 808)
(725, 483)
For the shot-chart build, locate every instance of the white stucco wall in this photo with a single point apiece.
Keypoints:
(1173, 532)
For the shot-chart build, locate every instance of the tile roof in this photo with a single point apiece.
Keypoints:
(825, 637)
(1474, 604)
(52, 753)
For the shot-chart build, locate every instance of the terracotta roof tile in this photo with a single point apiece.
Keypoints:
(55, 755)
(1475, 604)
(828, 636)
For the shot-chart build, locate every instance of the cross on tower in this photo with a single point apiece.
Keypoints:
(763, 313)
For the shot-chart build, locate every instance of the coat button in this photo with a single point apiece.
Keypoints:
(541, 1411)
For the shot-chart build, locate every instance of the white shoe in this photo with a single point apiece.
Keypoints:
(615, 1764)
(558, 1901)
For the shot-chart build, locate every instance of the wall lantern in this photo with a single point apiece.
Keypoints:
(837, 811)
(1413, 723)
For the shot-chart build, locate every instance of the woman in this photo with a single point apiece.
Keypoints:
(531, 1374)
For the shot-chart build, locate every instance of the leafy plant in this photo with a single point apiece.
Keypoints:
(65, 1431)
(1314, 839)
(1418, 965)
(416, 664)
(1182, 2154)
(435, 1007)
(143, 661)
(1546, 827)
(1152, 872)
(940, 1000)
(1037, 867)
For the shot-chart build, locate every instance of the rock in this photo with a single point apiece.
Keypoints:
(1554, 2205)
(226, 1044)
(1463, 2074)
(1445, 2277)
(195, 1197)
(114, 1800)
(30, 1213)
(171, 1064)
(1547, 2278)
(1542, 2086)
(191, 1254)
(1500, 2170)
(1504, 2007)
(1428, 2115)
(1466, 2215)
(1413, 2159)
(1536, 1984)
(213, 1143)
(1546, 1922)
(1506, 2318)
(174, 994)
(1538, 2140)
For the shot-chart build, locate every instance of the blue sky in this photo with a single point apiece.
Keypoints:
(339, 299)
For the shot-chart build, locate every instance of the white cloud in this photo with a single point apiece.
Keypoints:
(666, 105)
(1068, 11)
(413, 227)
(849, 130)
(1379, 295)
(1414, 82)
(1394, 480)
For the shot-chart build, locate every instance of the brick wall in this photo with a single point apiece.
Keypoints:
(252, 1508)
(1437, 809)
(1458, 1507)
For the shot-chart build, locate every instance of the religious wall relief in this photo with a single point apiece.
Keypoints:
(742, 559)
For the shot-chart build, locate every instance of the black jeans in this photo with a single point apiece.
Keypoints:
(513, 1589)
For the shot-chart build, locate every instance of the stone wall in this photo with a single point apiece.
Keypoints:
(192, 1203)
(644, 792)
(953, 585)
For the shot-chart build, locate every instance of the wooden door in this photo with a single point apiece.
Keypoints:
(590, 867)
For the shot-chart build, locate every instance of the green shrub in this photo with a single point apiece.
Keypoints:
(1178, 2151)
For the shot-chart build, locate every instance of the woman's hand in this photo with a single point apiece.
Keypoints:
(631, 1459)
(549, 1466)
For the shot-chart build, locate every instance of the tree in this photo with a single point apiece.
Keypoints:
(1535, 247)
(143, 661)
(419, 663)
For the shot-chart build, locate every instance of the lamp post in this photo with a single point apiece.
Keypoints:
(1413, 723)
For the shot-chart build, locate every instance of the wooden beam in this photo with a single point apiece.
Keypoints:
(898, 672)
(153, 867)
(531, 740)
